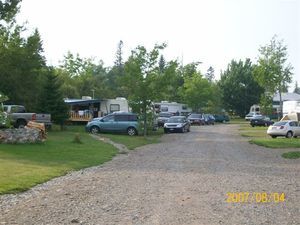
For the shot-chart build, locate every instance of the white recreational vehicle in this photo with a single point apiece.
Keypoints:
(172, 107)
(108, 106)
(290, 107)
(86, 108)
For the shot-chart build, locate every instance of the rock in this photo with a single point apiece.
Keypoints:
(21, 136)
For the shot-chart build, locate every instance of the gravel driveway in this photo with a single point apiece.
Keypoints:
(183, 180)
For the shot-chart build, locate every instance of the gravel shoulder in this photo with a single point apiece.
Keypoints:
(183, 180)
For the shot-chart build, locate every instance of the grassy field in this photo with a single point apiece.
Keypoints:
(23, 166)
(259, 136)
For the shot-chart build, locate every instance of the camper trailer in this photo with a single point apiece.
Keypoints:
(114, 105)
(255, 109)
(290, 107)
(172, 107)
(86, 108)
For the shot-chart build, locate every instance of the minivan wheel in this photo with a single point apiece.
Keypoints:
(131, 131)
(273, 136)
(289, 134)
(94, 130)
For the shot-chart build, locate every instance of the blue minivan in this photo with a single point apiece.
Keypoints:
(117, 122)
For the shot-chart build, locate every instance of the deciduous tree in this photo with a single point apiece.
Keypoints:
(238, 88)
(273, 72)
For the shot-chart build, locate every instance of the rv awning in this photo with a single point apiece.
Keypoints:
(81, 101)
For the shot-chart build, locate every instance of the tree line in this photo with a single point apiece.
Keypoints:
(144, 77)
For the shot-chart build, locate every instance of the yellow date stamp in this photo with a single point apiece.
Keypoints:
(254, 197)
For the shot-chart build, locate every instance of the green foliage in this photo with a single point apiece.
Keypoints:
(21, 66)
(238, 88)
(210, 74)
(272, 72)
(141, 75)
(197, 91)
(8, 10)
(265, 103)
(51, 100)
(169, 82)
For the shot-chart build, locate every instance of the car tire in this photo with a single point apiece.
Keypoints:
(95, 130)
(188, 130)
(289, 134)
(166, 131)
(273, 136)
(131, 131)
(295, 136)
(21, 123)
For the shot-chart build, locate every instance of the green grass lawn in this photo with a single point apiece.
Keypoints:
(24, 166)
(291, 155)
(135, 141)
(259, 136)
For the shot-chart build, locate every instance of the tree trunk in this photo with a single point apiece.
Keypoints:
(281, 105)
(145, 119)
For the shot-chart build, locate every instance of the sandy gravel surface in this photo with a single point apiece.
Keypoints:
(183, 180)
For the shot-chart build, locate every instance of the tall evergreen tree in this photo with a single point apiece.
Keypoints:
(8, 10)
(51, 99)
(210, 74)
(297, 89)
(162, 64)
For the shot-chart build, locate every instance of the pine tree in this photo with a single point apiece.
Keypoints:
(210, 75)
(51, 100)
(297, 89)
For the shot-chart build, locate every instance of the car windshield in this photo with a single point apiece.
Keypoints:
(281, 123)
(175, 120)
(195, 116)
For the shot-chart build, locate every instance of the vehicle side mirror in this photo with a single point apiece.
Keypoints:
(102, 120)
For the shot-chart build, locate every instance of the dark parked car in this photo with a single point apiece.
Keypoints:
(195, 118)
(163, 117)
(209, 119)
(117, 122)
(221, 118)
(261, 121)
(177, 124)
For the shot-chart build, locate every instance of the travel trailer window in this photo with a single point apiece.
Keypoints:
(114, 108)
(184, 107)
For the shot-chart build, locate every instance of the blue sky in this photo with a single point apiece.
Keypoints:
(210, 31)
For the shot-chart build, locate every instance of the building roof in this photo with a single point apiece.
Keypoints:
(81, 101)
(287, 97)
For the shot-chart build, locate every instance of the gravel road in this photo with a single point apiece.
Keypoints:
(183, 180)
